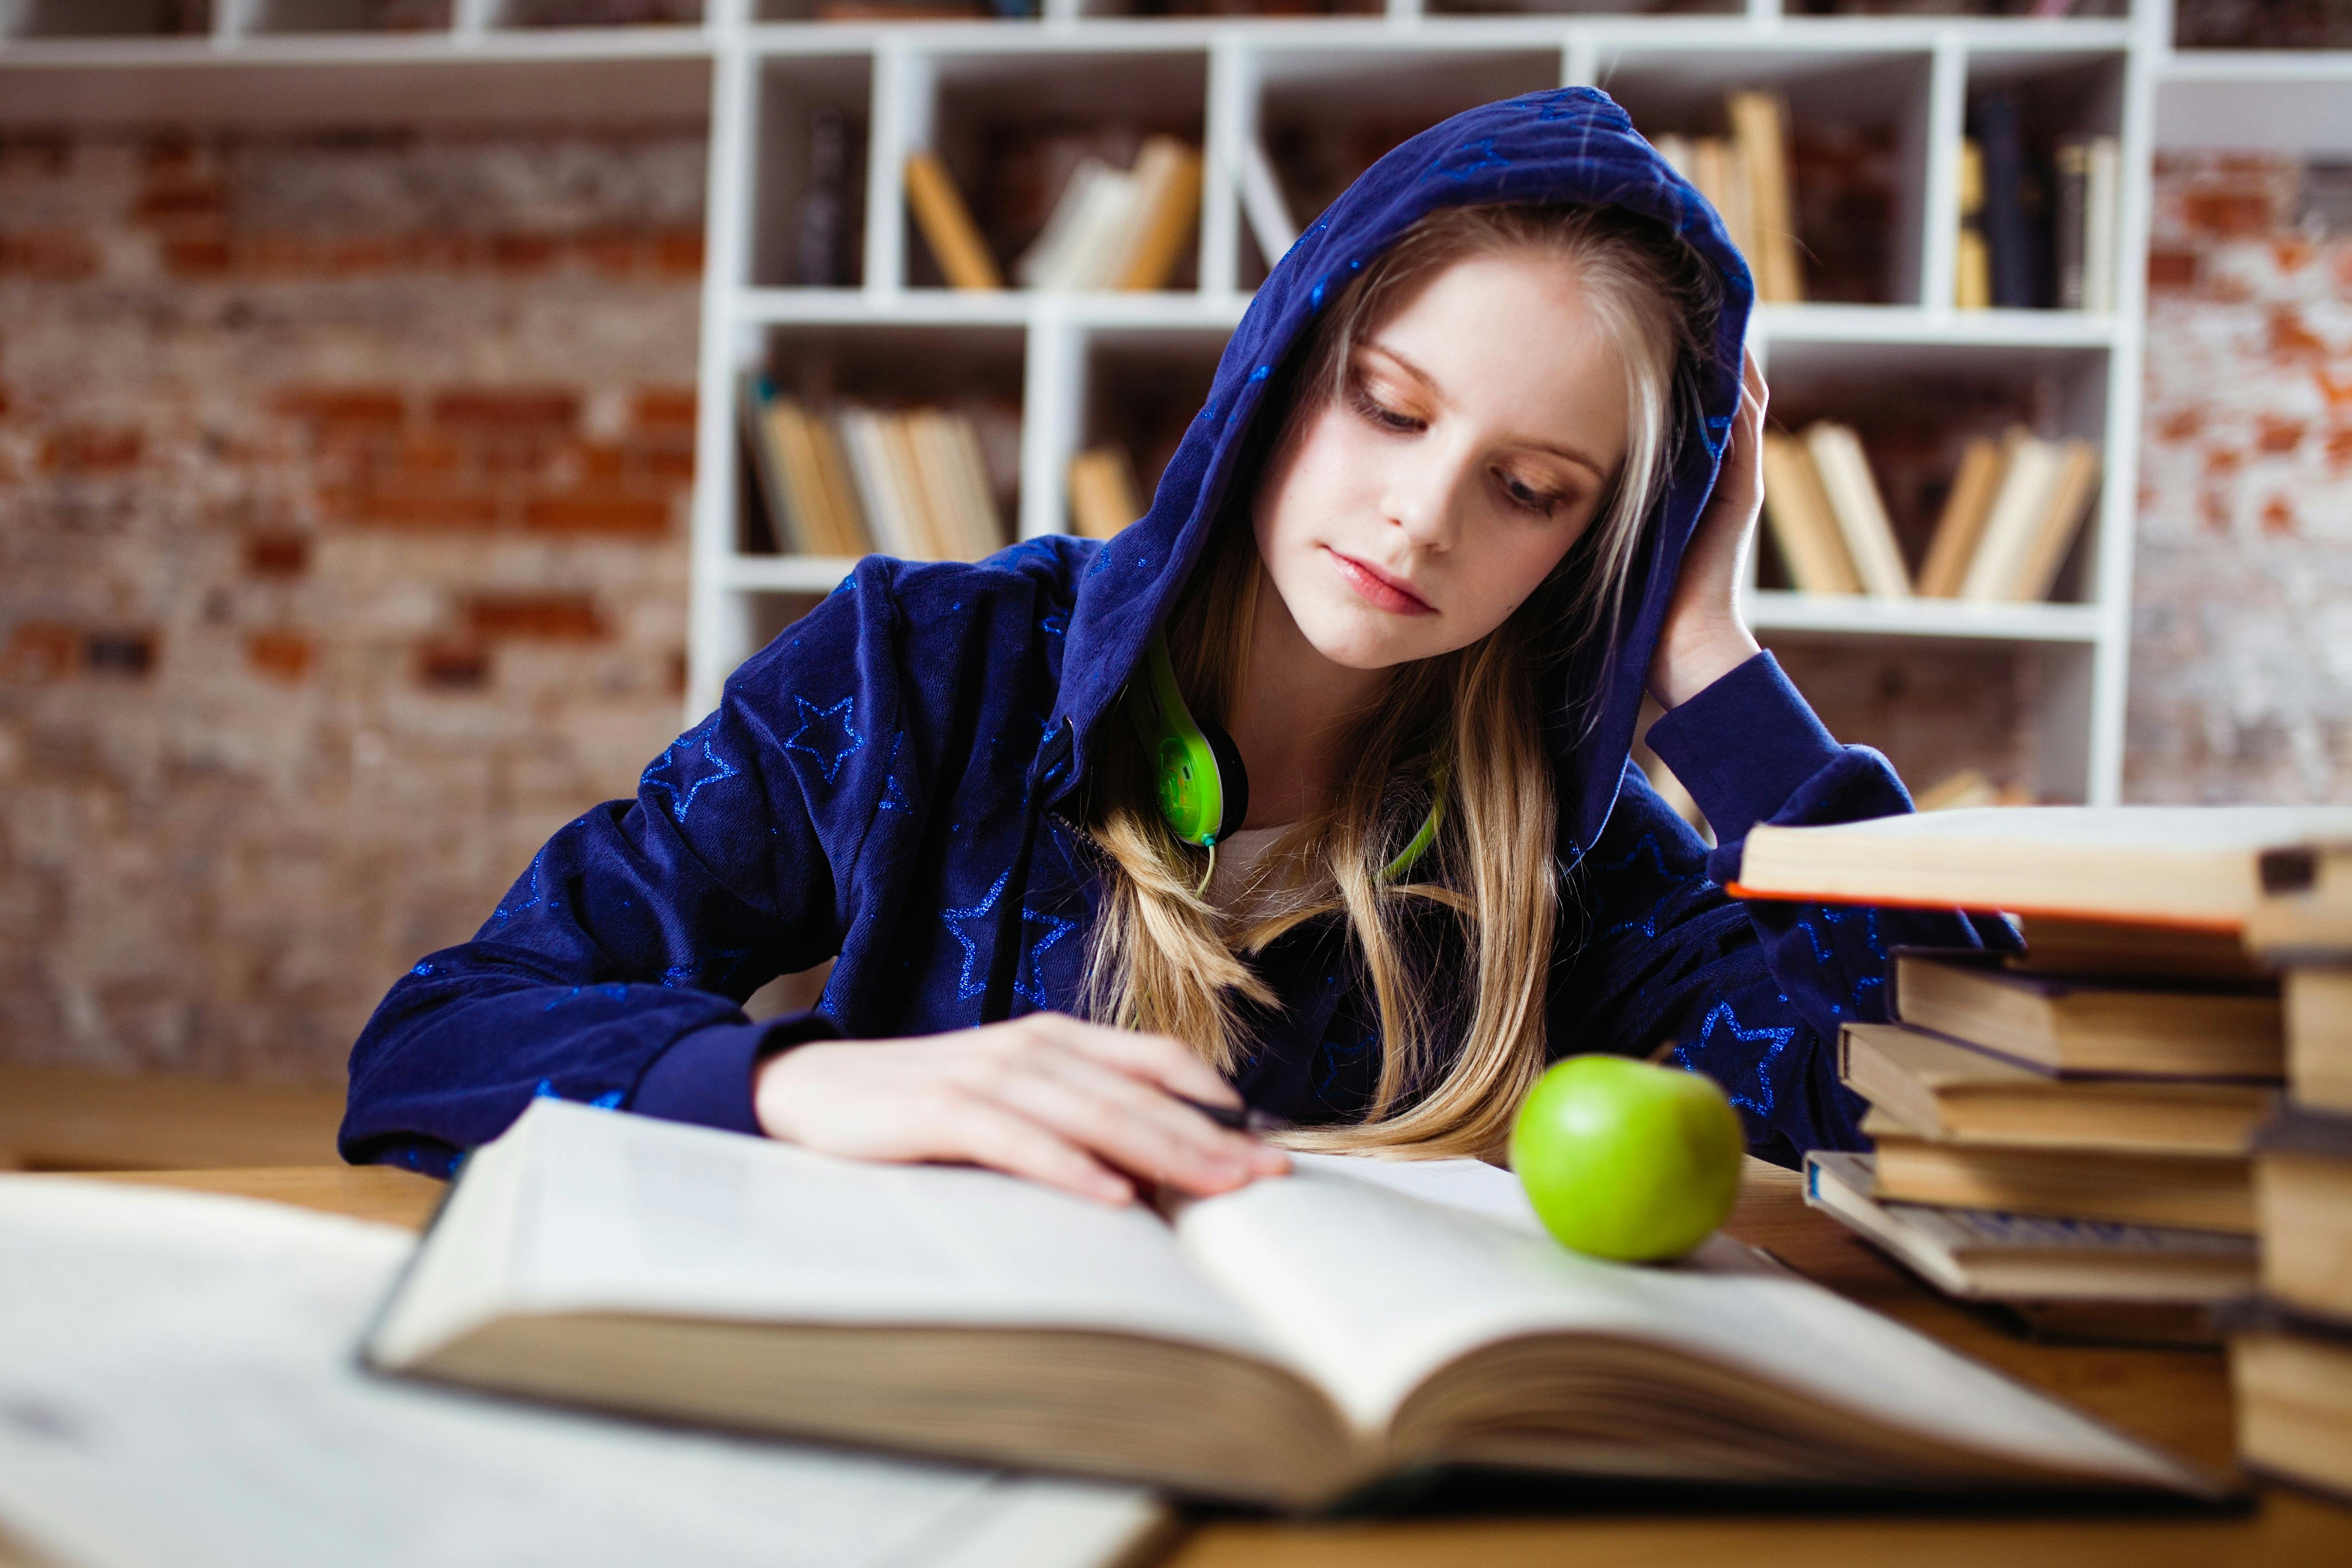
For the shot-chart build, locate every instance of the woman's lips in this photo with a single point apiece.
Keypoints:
(1378, 588)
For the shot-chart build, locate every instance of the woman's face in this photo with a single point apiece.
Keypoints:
(1478, 433)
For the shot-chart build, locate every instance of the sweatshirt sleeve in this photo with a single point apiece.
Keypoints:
(1752, 993)
(614, 971)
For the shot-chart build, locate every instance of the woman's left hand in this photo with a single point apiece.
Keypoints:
(1703, 639)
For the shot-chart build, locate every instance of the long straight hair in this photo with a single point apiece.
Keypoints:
(1481, 906)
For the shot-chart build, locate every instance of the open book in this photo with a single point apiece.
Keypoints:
(1290, 1343)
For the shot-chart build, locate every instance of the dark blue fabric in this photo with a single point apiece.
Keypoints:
(891, 781)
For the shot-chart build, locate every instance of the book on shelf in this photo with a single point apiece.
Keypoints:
(2303, 1187)
(1797, 510)
(1292, 1342)
(2036, 509)
(797, 462)
(1951, 1090)
(1263, 202)
(2084, 237)
(1997, 122)
(1959, 528)
(1119, 229)
(2291, 1373)
(911, 482)
(1971, 259)
(2063, 1024)
(946, 225)
(823, 239)
(1988, 1255)
(1104, 498)
(2183, 866)
(1760, 130)
(2194, 1192)
(1859, 510)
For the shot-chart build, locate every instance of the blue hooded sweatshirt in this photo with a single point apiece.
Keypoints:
(893, 782)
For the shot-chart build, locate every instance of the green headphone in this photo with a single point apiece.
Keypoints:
(1197, 770)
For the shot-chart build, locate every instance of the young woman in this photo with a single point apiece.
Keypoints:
(1479, 466)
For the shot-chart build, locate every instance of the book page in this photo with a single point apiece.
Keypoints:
(1373, 1289)
(178, 1387)
(627, 1213)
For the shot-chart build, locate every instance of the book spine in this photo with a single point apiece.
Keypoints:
(2073, 179)
(1860, 514)
(1962, 524)
(1816, 560)
(1759, 123)
(1165, 222)
(2000, 132)
(2102, 188)
(946, 225)
(2061, 518)
(2024, 492)
(753, 400)
(851, 534)
(1972, 263)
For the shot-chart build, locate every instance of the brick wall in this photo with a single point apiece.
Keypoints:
(2241, 653)
(343, 557)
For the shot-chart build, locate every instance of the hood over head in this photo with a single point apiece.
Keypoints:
(1570, 145)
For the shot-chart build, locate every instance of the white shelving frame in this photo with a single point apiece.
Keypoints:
(260, 65)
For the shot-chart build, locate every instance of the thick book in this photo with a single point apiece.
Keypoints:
(2101, 214)
(2073, 485)
(2194, 1192)
(1797, 510)
(2292, 1374)
(2302, 1197)
(1986, 1255)
(1961, 526)
(1294, 1342)
(181, 1391)
(1943, 1089)
(1971, 258)
(2306, 915)
(947, 225)
(2117, 949)
(2029, 485)
(2071, 168)
(1859, 509)
(2318, 1001)
(1167, 211)
(2062, 1024)
(753, 400)
(1996, 120)
(2189, 866)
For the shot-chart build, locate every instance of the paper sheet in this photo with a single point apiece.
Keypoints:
(178, 1387)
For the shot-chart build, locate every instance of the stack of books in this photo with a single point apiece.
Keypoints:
(1745, 177)
(2291, 1353)
(2009, 520)
(912, 483)
(2034, 235)
(1110, 228)
(2069, 1131)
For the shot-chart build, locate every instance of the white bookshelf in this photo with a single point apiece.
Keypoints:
(756, 71)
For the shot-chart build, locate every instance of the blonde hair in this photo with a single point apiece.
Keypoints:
(1484, 900)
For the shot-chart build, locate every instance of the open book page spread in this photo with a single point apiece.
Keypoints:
(632, 1214)
(1373, 1289)
(177, 1386)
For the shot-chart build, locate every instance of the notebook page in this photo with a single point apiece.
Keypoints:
(1372, 1288)
(178, 1387)
(627, 1213)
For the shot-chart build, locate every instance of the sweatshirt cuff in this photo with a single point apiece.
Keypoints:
(1743, 746)
(705, 1077)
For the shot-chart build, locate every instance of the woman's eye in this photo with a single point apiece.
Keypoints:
(1542, 502)
(1382, 414)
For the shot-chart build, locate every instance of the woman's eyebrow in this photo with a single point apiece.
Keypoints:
(1437, 391)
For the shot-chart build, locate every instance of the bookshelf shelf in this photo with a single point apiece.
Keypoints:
(1077, 368)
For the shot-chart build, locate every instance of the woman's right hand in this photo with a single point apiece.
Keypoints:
(1069, 1103)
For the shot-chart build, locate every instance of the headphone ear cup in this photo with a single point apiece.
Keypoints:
(1232, 779)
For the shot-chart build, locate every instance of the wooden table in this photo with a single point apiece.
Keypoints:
(2178, 1398)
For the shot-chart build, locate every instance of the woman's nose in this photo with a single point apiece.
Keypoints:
(1426, 493)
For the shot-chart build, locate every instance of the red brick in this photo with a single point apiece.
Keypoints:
(669, 462)
(2182, 426)
(2171, 269)
(281, 655)
(2224, 460)
(276, 554)
(548, 617)
(521, 252)
(664, 408)
(613, 252)
(41, 650)
(453, 666)
(90, 450)
(431, 453)
(2293, 255)
(2227, 214)
(189, 256)
(49, 255)
(507, 408)
(396, 502)
(2339, 446)
(2274, 433)
(600, 460)
(2338, 393)
(2278, 516)
(677, 253)
(2290, 339)
(377, 407)
(176, 201)
(599, 512)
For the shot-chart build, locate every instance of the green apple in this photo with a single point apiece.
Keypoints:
(1627, 1160)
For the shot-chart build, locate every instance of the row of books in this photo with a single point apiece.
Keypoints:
(849, 481)
(1745, 176)
(1110, 228)
(2138, 1127)
(2033, 233)
(2012, 516)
